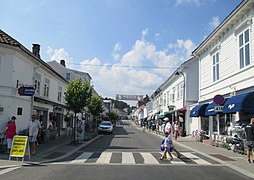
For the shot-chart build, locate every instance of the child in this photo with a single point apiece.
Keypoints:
(167, 147)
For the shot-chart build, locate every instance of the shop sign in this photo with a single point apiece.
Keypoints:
(26, 91)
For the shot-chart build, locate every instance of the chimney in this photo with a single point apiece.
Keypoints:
(36, 50)
(62, 62)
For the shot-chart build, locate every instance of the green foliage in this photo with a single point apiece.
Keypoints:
(78, 95)
(95, 105)
(113, 115)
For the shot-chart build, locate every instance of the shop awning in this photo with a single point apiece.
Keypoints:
(210, 109)
(162, 116)
(198, 110)
(240, 103)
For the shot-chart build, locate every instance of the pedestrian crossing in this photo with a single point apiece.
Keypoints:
(136, 158)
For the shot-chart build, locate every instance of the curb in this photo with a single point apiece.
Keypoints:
(238, 169)
(71, 152)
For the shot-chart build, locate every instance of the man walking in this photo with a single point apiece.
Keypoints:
(168, 128)
(249, 129)
(33, 130)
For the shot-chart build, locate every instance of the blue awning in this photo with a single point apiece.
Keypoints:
(240, 103)
(198, 110)
(210, 109)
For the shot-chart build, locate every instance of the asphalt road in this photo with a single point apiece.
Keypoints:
(127, 154)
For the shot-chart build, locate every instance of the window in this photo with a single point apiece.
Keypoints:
(46, 88)
(172, 98)
(68, 76)
(59, 95)
(37, 83)
(216, 66)
(181, 90)
(244, 48)
(164, 99)
(167, 97)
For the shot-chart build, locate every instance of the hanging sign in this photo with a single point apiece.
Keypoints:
(26, 91)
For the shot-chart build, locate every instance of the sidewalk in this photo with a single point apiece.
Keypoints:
(49, 151)
(226, 157)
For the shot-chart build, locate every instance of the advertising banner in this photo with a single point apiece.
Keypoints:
(129, 97)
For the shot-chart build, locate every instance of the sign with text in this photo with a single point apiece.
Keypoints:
(19, 145)
(26, 91)
(218, 109)
(129, 97)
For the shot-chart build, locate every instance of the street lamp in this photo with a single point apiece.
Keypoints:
(177, 74)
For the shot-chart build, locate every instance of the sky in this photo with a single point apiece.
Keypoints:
(127, 46)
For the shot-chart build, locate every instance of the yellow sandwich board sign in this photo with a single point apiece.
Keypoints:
(19, 147)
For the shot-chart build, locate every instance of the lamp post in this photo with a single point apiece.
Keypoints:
(177, 74)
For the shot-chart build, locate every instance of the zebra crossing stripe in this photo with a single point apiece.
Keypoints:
(149, 159)
(104, 158)
(196, 159)
(82, 158)
(128, 158)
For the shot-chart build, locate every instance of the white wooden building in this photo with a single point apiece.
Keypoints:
(177, 93)
(21, 68)
(226, 66)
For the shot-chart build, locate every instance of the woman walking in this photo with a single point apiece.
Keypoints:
(10, 131)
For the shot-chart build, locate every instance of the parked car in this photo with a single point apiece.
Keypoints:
(105, 127)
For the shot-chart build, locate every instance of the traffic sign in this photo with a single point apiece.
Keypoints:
(218, 99)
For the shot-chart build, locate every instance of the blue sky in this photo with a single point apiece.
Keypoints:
(113, 39)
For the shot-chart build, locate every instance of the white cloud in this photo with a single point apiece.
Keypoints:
(214, 23)
(124, 76)
(59, 54)
(116, 49)
(184, 2)
(144, 32)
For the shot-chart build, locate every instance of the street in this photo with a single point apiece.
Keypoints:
(128, 153)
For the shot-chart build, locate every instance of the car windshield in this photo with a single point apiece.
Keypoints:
(106, 123)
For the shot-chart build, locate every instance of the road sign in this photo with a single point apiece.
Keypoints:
(218, 108)
(218, 99)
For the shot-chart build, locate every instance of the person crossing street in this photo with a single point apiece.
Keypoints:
(168, 128)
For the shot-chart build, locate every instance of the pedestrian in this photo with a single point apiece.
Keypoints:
(167, 146)
(10, 131)
(168, 128)
(249, 129)
(33, 130)
(176, 129)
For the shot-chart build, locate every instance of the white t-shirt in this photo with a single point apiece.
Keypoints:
(34, 127)
(167, 127)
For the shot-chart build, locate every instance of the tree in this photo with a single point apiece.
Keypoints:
(113, 115)
(77, 97)
(95, 106)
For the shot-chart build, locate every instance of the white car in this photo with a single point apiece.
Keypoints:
(105, 126)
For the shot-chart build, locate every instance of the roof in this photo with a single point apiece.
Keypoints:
(8, 40)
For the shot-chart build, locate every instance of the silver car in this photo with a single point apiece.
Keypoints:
(105, 126)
